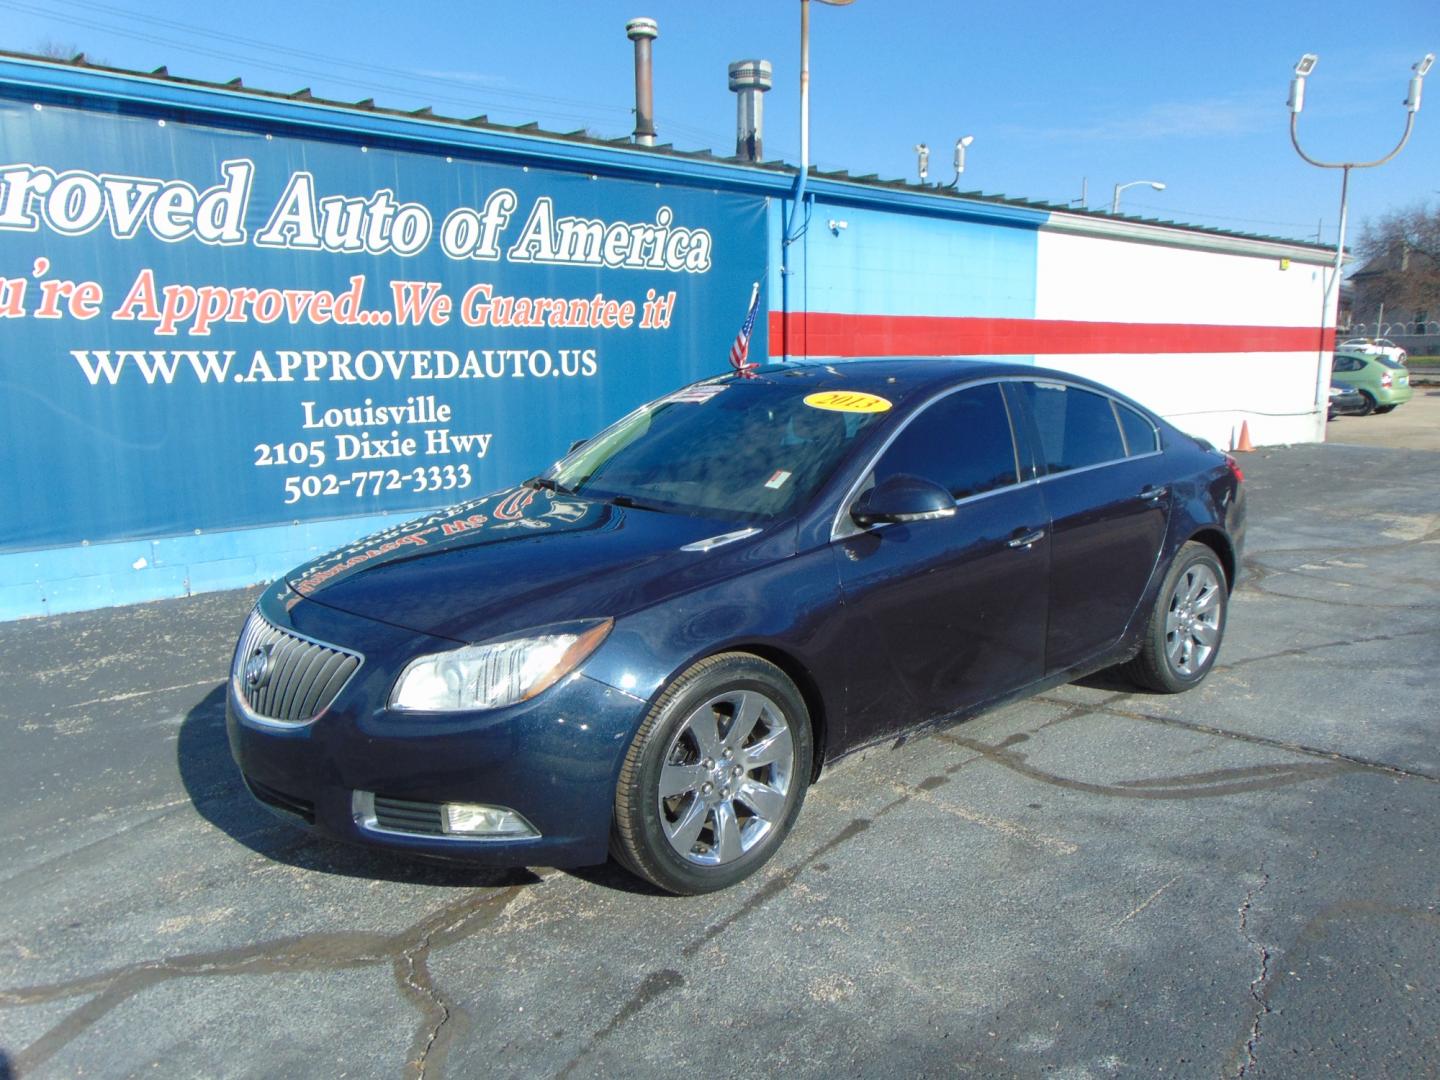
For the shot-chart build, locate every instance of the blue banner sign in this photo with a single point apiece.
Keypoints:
(204, 328)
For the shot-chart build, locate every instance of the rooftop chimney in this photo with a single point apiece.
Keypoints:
(749, 79)
(642, 32)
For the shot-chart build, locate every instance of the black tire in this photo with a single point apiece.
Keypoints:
(1369, 403)
(669, 741)
(1383, 409)
(1175, 621)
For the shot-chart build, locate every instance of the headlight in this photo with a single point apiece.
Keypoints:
(497, 674)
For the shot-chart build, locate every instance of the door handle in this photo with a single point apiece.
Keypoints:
(1151, 493)
(1027, 539)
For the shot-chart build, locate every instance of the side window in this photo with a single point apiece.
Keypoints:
(962, 441)
(1140, 435)
(1345, 363)
(1077, 427)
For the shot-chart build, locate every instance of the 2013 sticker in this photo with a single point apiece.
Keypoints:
(847, 401)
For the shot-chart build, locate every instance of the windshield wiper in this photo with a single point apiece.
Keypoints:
(633, 504)
(548, 484)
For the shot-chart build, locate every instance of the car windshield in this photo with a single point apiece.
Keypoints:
(741, 449)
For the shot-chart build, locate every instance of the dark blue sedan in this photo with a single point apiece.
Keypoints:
(651, 650)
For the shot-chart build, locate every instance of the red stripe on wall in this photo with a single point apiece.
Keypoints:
(819, 333)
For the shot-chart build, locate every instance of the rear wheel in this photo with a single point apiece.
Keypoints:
(1383, 408)
(715, 776)
(1186, 624)
(1369, 403)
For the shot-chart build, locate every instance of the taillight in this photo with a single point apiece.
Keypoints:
(1235, 469)
(1385, 379)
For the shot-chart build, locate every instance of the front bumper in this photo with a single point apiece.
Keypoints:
(554, 760)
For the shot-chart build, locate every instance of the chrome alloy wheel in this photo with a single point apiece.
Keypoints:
(1192, 623)
(726, 776)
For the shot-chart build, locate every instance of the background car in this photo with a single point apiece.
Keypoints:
(1374, 347)
(1347, 401)
(654, 647)
(1385, 383)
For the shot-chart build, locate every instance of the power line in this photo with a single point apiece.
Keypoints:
(471, 102)
(363, 66)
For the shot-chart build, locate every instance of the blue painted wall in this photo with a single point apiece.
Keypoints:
(203, 380)
(887, 263)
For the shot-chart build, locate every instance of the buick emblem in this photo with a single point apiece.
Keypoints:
(257, 667)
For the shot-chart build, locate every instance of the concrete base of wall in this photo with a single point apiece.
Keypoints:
(92, 576)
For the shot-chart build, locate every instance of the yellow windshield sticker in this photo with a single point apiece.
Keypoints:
(847, 401)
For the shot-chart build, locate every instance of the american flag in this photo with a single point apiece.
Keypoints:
(741, 349)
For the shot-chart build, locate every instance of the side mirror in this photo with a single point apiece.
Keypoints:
(902, 498)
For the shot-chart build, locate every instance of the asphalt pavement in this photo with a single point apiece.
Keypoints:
(1240, 881)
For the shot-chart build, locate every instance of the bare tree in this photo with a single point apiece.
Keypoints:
(58, 50)
(1402, 260)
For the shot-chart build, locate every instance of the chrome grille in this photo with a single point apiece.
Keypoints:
(298, 679)
(408, 816)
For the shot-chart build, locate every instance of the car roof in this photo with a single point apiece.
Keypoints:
(901, 378)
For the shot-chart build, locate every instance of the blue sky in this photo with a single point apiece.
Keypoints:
(1189, 94)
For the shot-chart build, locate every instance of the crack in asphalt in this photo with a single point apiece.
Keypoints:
(405, 950)
(1306, 650)
(1337, 756)
(1258, 984)
(659, 982)
(1208, 784)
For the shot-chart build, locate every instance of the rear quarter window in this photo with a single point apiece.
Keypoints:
(1077, 428)
(1140, 434)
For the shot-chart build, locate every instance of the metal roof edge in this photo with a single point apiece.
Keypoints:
(48, 79)
(1178, 236)
(160, 91)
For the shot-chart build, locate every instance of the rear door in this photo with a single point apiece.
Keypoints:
(1108, 501)
(945, 614)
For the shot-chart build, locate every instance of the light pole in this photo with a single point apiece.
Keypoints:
(798, 201)
(1115, 202)
(1297, 104)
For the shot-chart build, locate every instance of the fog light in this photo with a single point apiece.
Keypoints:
(473, 819)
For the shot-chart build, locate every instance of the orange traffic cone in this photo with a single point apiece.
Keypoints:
(1244, 446)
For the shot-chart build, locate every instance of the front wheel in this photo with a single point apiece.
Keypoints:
(715, 776)
(1183, 636)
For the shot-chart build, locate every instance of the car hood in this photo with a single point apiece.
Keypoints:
(524, 558)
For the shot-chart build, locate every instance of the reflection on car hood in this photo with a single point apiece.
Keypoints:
(524, 558)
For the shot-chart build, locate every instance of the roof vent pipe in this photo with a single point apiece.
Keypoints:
(642, 32)
(749, 79)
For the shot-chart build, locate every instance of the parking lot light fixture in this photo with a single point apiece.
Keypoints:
(792, 227)
(961, 145)
(1115, 202)
(1297, 104)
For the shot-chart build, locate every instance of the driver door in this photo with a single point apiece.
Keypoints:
(946, 614)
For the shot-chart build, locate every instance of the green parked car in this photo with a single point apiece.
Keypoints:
(1384, 382)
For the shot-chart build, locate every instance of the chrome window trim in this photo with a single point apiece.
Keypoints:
(843, 526)
(237, 675)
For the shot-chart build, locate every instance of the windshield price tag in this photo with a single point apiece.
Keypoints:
(777, 479)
